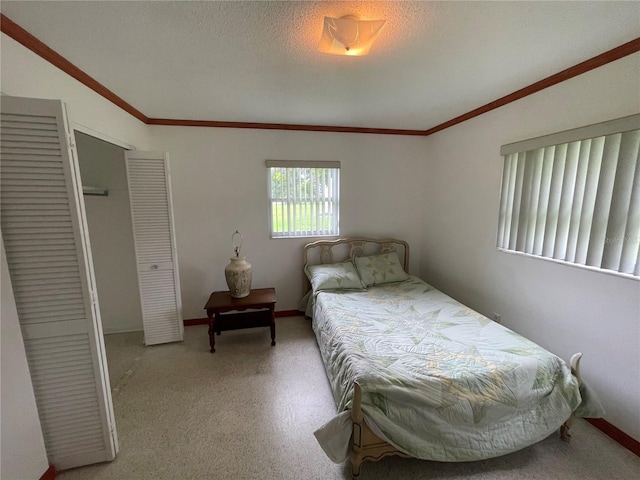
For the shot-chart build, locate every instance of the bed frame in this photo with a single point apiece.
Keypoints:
(366, 445)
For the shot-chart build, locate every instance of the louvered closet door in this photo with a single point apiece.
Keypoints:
(47, 249)
(155, 246)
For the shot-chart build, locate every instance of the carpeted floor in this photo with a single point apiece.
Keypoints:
(249, 412)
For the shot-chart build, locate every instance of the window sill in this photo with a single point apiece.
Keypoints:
(628, 276)
(330, 235)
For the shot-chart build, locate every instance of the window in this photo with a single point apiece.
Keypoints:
(574, 196)
(304, 198)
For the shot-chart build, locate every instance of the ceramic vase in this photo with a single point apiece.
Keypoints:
(238, 275)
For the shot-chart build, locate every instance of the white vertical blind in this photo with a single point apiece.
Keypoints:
(304, 198)
(621, 199)
(335, 194)
(630, 254)
(576, 200)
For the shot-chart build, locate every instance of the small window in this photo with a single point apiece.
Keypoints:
(574, 197)
(304, 198)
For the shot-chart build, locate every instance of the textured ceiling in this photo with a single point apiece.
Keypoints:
(257, 61)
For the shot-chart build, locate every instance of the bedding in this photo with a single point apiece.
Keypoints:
(334, 276)
(439, 381)
(380, 269)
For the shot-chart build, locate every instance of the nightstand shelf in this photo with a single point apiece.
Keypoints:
(261, 301)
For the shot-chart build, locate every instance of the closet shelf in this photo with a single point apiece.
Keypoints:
(98, 191)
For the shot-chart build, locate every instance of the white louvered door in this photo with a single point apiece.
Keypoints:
(155, 246)
(49, 258)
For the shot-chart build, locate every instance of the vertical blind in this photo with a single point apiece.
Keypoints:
(304, 198)
(575, 196)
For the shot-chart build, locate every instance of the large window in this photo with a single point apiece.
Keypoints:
(304, 198)
(575, 196)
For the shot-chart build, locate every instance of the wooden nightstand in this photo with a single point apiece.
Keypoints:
(263, 300)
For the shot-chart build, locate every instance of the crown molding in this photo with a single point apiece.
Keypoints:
(23, 37)
(281, 126)
(20, 35)
(598, 61)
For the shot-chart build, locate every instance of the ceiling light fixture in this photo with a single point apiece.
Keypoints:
(348, 35)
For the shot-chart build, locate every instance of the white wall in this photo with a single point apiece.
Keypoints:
(219, 183)
(23, 456)
(563, 308)
(25, 74)
(111, 234)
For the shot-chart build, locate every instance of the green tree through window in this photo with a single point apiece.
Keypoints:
(304, 198)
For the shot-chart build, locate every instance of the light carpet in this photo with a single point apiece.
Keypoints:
(249, 410)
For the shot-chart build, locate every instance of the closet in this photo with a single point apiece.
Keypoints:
(48, 251)
(106, 199)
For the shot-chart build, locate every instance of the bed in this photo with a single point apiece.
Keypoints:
(416, 373)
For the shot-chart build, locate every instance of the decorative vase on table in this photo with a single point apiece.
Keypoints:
(238, 272)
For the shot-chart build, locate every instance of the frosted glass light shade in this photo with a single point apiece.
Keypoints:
(348, 35)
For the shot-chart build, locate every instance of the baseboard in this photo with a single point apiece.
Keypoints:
(288, 313)
(195, 321)
(50, 474)
(110, 331)
(616, 434)
(204, 321)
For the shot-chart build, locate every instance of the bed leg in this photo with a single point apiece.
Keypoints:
(356, 433)
(356, 463)
(564, 429)
(575, 371)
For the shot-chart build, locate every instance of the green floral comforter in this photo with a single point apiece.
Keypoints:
(439, 381)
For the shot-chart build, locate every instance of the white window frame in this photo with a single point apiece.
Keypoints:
(574, 197)
(325, 202)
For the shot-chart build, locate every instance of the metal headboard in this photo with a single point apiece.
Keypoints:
(334, 251)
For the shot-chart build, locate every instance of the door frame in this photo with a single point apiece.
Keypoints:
(72, 127)
(100, 136)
